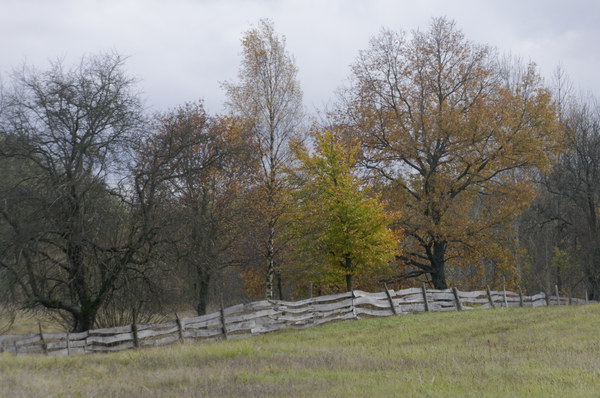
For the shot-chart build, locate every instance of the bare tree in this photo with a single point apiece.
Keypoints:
(200, 165)
(268, 96)
(71, 234)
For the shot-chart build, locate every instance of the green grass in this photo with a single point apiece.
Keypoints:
(542, 352)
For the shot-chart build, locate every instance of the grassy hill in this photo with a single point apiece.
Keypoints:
(520, 352)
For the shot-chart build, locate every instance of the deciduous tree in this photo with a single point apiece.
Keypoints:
(449, 131)
(69, 236)
(339, 219)
(269, 98)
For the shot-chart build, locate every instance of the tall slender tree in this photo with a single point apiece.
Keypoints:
(269, 98)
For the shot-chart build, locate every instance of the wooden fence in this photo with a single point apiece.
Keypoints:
(259, 317)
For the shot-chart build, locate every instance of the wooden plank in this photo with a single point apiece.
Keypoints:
(473, 295)
(27, 341)
(111, 331)
(372, 312)
(365, 300)
(156, 333)
(202, 333)
(474, 301)
(106, 340)
(378, 296)
(11, 337)
(441, 296)
(162, 341)
(203, 324)
(333, 306)
(407, 292)
(101, 348)
(66, 344)
(248, 325)
(247, 317)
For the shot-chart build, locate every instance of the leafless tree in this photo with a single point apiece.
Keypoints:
(71, 233)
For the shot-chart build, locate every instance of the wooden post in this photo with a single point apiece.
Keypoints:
(587, 299)
(521, 304)
(353, 307)
(459, 306)
(68, 343)
(425, 301)
(224, 327)
(557, 295)
(180, 327)
(504, 293)
(490, 299)
(389, 296)
(547, 299)
(570, 296)
(44, 345)
(134, 329)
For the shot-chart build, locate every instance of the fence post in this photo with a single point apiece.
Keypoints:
(425, 297)
(134, 329)
(457, 298)
(521, 304)
(504, 293)
(587, 299)
(570, 297)
(557, 295)
(490, 299)
(547, 299)
(389, 296)
(180, 327)
(224, 327)
(353, 307)
(44, 345)
(68, 343)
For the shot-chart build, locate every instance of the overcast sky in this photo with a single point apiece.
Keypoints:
(181, 49)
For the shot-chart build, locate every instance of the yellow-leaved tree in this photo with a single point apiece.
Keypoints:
(340, 221)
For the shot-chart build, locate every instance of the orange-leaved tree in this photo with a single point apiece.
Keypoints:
(451, 132)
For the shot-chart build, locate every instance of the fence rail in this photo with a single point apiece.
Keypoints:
(260, 317)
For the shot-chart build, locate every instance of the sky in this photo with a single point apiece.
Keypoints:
(181, 50)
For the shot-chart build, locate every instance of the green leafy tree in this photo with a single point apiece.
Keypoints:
(341, 221)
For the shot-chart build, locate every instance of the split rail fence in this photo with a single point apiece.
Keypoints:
(244, 320)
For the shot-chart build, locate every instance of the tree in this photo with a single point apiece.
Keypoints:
(569, 200)
(269, 98)
(337, 218)
(70, 233)
(202, 165)
(450, 132)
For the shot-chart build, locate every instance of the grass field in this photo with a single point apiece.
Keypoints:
(521, 352)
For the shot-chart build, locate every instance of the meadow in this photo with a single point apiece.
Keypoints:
(520, 352)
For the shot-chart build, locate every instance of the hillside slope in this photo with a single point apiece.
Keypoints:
(548, 351)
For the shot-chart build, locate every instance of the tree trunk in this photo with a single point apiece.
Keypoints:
(438, 265)
(84, 320)
(349, 284)
(202, 293)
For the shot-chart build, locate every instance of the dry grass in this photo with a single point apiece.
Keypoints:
(545, 352)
